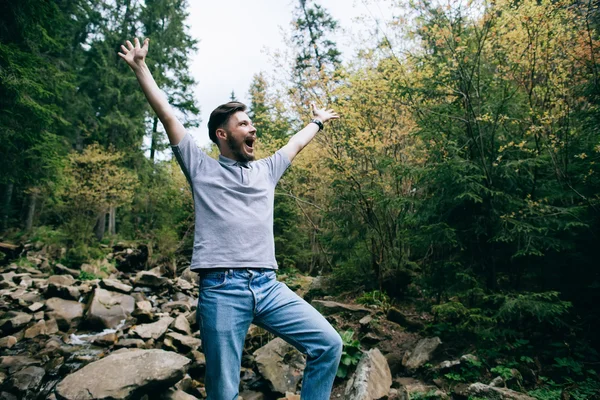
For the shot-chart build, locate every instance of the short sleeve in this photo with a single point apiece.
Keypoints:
(277, 164)
(189, 156)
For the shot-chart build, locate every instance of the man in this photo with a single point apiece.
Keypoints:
(234, 250)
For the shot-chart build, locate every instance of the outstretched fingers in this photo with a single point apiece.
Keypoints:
(129, 45)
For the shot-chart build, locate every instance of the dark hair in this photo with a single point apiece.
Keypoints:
(220, 116)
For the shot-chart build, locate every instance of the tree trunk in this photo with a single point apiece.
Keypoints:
(32, 199)
(112, 228)
(6, 205)
(100, 225)
(153, 142)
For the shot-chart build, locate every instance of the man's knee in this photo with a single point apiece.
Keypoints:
(333, 344)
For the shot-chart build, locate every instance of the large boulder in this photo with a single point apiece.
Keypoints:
(331, 307)
(422, 353)
(107, 309)
(410, 388)
(125, 374)
(280, 364)
(67, 313)
(481, 390)
(372, 378)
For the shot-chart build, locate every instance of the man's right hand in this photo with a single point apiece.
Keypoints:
(133, 54)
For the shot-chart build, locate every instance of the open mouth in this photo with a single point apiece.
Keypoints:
(249, 142)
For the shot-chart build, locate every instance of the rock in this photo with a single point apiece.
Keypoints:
(7, 342)
(154, 330)
(62, 270)
(61, 286)
(28, 379)
(332, 307)
(183, 284)
(7, 396)
(365, 321)
(410, 388)
(250, 395)
(67, 313)
(398, 317)
(497, 382)
(130, 343)
(107, 309)
(115, 286)
(36, 306)
(370, 339)
(17, 363)
(447, 365)
(181, 342)
(143, 311)
(469, 358)
(105, 340)
(421, 353)
(44, 328)
(180, 305)
(13, 321)
(395, 362)
(290, 396)
(99, 268)
(125, 374)
(176, 394)
(181, 325)
(372, 378)
(130, 259)
(481, 390)
(280, 364)
(151, 279)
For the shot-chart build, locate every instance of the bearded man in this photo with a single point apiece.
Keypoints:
(234, 250)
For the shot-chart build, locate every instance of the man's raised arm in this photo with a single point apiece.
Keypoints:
(135, 56)
(302, 138)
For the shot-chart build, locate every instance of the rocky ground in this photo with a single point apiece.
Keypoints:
(114, 330)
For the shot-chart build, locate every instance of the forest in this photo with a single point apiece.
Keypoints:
(463, 179)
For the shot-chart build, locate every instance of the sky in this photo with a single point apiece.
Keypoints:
(236, 38)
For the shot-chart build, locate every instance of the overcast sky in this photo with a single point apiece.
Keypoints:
(234, 38)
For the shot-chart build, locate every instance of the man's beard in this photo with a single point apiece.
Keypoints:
(236, 149)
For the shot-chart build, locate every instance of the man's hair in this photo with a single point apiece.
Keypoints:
(220, 117)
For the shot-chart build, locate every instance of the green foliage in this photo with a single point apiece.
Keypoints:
(351, 354)
(545, 393)
(24, 262)
(87, 276)
(470, 370)
(503, 372)
(376, 298)
(430, 395)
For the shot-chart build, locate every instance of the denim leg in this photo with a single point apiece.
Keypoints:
(225, 309)
(285, 314)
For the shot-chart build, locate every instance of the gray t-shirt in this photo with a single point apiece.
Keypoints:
(233, 203)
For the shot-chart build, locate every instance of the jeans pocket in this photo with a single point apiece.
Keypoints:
(213, 280)
(271, 274)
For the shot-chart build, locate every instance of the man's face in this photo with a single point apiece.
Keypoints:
(241, 137)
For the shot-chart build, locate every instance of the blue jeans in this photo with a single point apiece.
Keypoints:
(231, 299)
